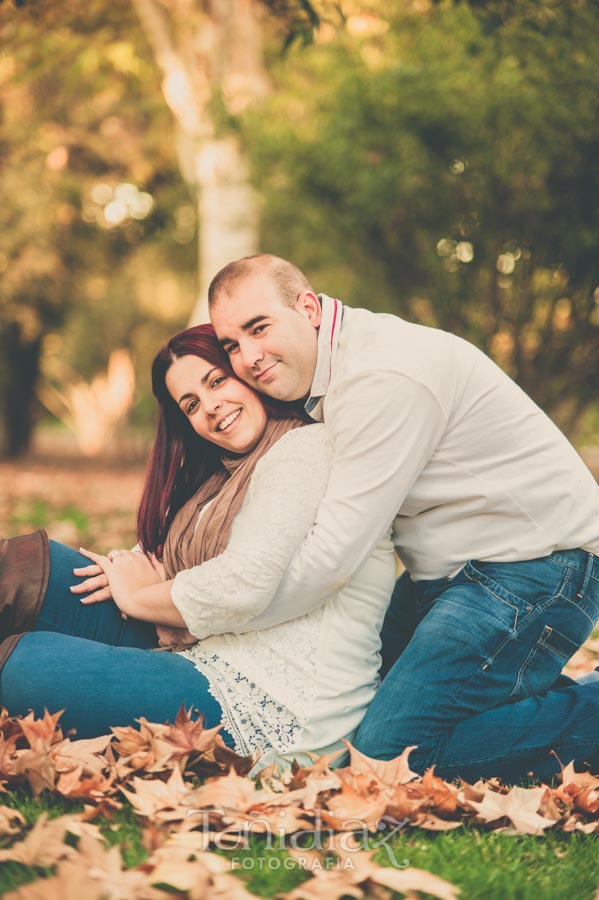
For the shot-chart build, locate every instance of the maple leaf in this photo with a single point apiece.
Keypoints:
(188, 735)
(519, 805)
(43, 846)
(158, 799)
(76, 784)
(226, 758)
(142, 748)
(86, 754)
(8, 751)
(37, 768)
(11, 821)
(42, 732)
(230, 791)
(349, 808)
(429, 822)
(444, 796)
(358, 866)
(387, 773)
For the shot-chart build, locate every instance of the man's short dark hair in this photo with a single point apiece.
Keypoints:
(289, 280)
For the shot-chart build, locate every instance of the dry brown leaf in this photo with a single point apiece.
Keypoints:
(325, 885)
(141, 749)
(520, 806)
(413, 879)
(430, 822)
(387, 773)
(44, 732)
(444, 796)
(349, 810)
(70, 883)
(230, 791)
(167, 801)
(76, 784)
(11, 821)
(37, 768)
(43, 846)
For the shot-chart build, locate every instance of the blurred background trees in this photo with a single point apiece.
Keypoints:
(435, 160)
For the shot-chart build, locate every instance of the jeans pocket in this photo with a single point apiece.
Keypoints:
(544, 663)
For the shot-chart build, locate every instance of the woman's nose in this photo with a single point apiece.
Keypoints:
(213, 405)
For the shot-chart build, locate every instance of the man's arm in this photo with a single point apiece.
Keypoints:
(384, 427)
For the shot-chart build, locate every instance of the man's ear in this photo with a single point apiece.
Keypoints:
(308, 305)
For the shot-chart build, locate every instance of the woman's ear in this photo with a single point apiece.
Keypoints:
(308, 305)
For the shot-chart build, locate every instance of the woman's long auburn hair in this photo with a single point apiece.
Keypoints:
(180, 460)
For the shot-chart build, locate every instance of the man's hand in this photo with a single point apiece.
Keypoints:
(174, 637)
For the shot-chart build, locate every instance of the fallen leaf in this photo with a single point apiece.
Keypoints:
(520, 806)
(387, 773)
(11, 821)
(158, 799)
(43, 846)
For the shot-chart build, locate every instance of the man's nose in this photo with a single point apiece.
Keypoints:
(250, 355)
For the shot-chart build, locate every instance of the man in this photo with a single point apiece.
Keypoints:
(495, 517)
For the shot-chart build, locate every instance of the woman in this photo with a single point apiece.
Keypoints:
(232, 488)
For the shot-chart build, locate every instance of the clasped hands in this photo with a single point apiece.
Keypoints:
(119, 575)
(116, 574)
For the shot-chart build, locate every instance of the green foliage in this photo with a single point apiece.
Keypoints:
(84, 126)
(443, 165)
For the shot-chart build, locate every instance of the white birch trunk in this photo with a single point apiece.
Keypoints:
(200, 47)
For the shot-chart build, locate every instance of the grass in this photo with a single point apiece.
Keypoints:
(486, 866)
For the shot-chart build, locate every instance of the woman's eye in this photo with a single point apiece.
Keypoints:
(191, 406)
(219, 380)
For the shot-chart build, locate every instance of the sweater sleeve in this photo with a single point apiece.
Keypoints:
(383, 429)
(277, 513)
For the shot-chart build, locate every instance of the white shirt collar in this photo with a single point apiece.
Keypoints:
(328, 339)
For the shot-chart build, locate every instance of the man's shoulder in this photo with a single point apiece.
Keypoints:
(386, 342)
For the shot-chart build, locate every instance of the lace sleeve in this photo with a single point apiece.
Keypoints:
(277, 513)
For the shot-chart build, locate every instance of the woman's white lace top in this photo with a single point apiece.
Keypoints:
(304, 684)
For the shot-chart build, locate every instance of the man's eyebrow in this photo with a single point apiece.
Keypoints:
(245, 327)
(203, 381)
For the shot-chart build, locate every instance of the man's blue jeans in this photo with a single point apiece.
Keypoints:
(477, 688)
(102, 669)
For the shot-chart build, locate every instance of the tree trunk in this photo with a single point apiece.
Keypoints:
(21, 362)
(207, 50)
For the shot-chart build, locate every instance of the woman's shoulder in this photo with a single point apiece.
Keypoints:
(302, 448)
(309, 441)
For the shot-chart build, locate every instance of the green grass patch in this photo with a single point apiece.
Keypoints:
(484, 865)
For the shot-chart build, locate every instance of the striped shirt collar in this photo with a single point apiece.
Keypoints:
(328, 339)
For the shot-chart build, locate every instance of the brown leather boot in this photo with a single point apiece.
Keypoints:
(24, 572)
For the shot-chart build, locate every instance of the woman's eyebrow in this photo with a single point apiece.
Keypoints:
(203, 381)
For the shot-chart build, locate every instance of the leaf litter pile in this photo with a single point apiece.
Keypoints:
(192, 794)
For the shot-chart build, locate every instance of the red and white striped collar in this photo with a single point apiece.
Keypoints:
(328, 339)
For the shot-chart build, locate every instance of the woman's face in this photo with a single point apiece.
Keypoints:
(220, 408)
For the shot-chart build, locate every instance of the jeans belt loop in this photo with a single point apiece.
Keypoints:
(587, 575)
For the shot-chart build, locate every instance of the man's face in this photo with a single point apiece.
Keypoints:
(271, 346)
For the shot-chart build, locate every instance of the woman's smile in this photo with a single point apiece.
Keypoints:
(218, 406)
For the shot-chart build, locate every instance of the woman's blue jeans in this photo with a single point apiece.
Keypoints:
(477, 687)
(101, 669)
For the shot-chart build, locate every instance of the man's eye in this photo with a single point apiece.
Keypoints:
(230, 349)
(259, 329)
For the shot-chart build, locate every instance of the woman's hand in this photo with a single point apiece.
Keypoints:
(96, 583)
(122, 573)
